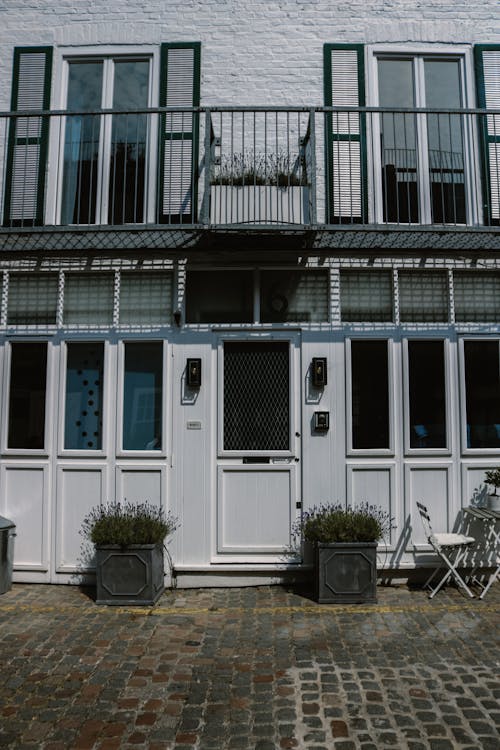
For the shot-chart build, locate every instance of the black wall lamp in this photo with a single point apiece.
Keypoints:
(193, 373)
(319, 372)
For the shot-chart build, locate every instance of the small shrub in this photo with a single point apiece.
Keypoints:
(252, 169)
(493, 479)
(128, 523)
(331, 523)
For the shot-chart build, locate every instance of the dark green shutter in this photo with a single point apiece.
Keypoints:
(179, 87)
(28, 137)
(345, 134)
(487, 64)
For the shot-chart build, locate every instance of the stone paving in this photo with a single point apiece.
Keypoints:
(249, 669)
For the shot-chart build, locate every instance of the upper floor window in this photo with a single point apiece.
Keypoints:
(422, 156)
(104, 170)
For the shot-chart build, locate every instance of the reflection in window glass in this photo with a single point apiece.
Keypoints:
(28, 375)
(142, 397)
(32, 299)
(294, 296)
(83, 412)
(482, 393)
(219, 297)
(366, 296)
(423, 297)
(370, 394)
(427, 394)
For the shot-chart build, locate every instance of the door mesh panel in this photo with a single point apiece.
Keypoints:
(256, 396)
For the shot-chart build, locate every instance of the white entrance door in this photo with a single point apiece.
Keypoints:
(258, 473)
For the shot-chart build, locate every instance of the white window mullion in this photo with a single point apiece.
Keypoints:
(423, 173)
(104, 176)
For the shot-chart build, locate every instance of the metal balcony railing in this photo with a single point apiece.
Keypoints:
(251, 166)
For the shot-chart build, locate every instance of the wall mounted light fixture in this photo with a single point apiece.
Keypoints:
(319, 372)
(193, 373)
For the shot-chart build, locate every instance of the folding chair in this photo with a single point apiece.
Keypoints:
(451, 549)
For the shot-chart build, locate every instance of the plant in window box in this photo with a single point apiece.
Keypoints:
(251, 187)
(344, 542)
(493, 480)
(129, 545)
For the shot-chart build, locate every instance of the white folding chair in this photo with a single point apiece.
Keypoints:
(451, 549)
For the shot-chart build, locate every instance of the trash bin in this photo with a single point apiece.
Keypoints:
(7, 534)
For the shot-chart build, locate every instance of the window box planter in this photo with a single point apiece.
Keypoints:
(345, 573)
(130, 575)
(259, 204)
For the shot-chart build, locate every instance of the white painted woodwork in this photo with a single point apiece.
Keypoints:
(24, 500)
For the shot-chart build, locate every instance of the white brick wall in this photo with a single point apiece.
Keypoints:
(252, 52)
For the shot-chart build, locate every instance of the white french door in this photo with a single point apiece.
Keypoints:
(258, 463)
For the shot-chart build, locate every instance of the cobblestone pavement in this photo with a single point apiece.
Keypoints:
(249, 669)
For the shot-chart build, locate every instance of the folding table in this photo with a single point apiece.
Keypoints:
(490, 518)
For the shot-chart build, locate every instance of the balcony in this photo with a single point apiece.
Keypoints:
(248, 169)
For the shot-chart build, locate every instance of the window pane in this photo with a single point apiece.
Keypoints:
(28, 375)
(83, 412)
(128, 143)
(142, 397)
(146, 298)
(427, 394)
(477, 296)
(88, 298)
(366, 296)
(444, 133)
(81, 146)
(482, 390)
(294, 296)
(398, 141)
(370, 394)
(219, 297)
(32, 299)
(423, 297)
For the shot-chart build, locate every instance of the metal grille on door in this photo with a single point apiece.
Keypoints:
(256, 396)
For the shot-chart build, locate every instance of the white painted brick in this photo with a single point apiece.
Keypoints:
(252, 52)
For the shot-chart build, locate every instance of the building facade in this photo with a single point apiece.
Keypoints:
(250, 263)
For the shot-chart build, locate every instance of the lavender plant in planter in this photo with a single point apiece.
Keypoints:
(345, 550)
(493, 480)
(129, 543)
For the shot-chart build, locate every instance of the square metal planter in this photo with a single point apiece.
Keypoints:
(346, 573)
(130, 575)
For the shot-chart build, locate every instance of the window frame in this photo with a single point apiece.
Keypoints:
(109, 376)
(448, 449)
(465, 450)
(472, 175)
(167, 385)
(107, 53)
(391, 381)
(49, 390)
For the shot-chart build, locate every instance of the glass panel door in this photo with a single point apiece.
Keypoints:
(104, 169)
(422, 155)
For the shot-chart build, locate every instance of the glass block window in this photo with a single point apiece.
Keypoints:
(146, 298)
(366, 296)
(28, 379)
(219, 297)
(292, 296)
(88, 299)
(32, 299)
(477, 296)
(423, 296)
(83, 405)
(256, 396)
